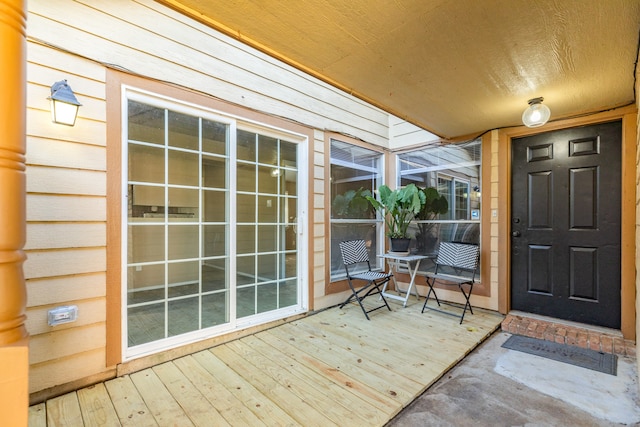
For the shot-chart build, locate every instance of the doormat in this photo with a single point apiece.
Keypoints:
(582, 357)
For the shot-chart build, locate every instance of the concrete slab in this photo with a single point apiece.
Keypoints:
(494, 386)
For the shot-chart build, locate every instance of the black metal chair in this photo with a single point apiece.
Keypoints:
(354, 253)
(456, 264)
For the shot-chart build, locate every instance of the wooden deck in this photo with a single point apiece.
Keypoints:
(330, 368)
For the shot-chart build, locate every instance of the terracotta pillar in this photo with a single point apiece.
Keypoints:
(14, 345)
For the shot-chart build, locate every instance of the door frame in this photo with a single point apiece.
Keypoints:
(115, 82)
(628, 115)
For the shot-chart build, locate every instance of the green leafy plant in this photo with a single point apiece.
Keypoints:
(352, 204)
(435, 204)
(398, 207)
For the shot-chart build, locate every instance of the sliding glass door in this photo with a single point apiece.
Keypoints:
(211, 241)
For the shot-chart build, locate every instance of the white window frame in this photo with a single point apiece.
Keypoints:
(379, 220)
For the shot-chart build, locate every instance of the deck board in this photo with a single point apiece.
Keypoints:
(330, 368)
(276, 385)
(390, 386)
(264, 408)
(368, 385)
(379, 342)
(195, 405)
(129, 405)
(97, 407)
(299, 383)
(64, 411)
(333, 393)
(38, 415)
(164, 408)
(232, 409)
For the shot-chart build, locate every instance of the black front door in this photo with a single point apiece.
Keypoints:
(565, 205)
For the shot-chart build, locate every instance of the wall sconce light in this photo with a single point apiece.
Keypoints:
(536, 114)
(64, 105)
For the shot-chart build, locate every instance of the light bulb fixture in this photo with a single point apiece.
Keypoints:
(536, 113)
(64, 105)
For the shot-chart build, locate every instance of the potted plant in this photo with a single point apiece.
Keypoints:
(398, 208)
(435, 204)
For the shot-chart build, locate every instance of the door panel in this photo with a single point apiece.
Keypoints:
(565, 243)
(211, 226)
(539, 278)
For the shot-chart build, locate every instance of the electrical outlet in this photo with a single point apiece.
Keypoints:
(64, 314)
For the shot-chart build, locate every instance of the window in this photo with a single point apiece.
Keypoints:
(455, 171)
(355, 173)
(209, 239)
(456, 191)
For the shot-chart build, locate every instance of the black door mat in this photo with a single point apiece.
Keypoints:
(583, 357)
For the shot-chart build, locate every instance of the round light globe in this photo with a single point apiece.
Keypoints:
(536, 114)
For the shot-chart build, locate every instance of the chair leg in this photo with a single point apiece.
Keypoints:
(354, 295)
(374, 290)
(380, 291)
(466, 297)
(430, 283)
(371, 288)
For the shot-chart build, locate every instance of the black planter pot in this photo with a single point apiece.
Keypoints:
(399, 245)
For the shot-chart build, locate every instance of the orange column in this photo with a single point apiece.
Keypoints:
(14, 340)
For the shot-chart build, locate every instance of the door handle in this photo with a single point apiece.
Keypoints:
(515, 234)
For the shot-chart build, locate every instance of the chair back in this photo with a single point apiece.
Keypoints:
(354, 252)
(460, 256)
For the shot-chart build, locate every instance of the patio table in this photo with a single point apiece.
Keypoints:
(408, 263)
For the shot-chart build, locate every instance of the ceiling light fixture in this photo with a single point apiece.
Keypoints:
(536, 113)
(64, 105)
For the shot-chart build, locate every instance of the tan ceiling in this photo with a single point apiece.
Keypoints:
(454, 67)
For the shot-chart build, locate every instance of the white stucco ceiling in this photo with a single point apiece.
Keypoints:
(454, 67)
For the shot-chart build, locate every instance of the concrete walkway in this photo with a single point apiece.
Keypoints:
(494, 386)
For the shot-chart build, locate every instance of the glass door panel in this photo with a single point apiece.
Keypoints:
(267, 202)
(177, 228)
(189, 265)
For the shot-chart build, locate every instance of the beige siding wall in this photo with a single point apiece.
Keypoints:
(66, 166)
(66, 211)
(403, 134)
(493, 233)
(152, 40)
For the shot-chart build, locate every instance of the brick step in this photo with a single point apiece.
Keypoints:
(575, 334)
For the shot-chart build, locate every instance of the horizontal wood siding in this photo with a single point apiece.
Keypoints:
(66, 220)
(66, 166)
(154, 41)
(59, 372)
(65, 235)
(403, 134)
(92, 312)
(58, 290)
